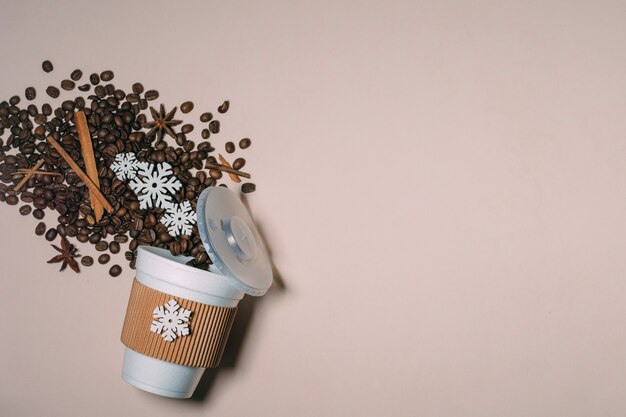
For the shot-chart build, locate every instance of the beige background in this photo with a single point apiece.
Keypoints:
(442, 185)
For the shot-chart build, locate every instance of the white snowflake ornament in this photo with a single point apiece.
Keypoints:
(153, 185)
(179, 219)
(126, 166)
(170, 321)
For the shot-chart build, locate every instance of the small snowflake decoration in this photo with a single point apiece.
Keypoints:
(179, 219)
(126, 166)
(170, 321)
(153, 185)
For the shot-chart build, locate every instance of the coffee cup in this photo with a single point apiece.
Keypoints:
(178, 316)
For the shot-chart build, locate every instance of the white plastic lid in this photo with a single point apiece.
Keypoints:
(232, 241)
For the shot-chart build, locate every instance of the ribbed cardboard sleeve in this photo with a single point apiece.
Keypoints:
(202, 348)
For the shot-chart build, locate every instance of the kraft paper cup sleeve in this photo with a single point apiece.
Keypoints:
(207, 328)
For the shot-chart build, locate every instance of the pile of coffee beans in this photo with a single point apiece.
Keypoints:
(116, 121)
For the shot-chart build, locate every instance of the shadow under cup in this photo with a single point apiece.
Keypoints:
(173, 368)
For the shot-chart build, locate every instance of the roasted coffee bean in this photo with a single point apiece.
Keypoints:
(129, 255)
(214, 126)
(76, 75)
(188, 146)
(115, 270)
(67, 105)
(38, 214)
(94, 79)
(47, 66)
(186, 107)
(114, 247)
(40, 229)
(206, 133)
(230, 147)
(121, 212)
(205, 147)
(150, 220)
(48, 194)
(245, 143)
(53, 92)
(41, 119)
(206, 117)
(239, 163)
(12, 200)
(71, 230)
(224, 107)
(186, 128)
(180, 139)
(200, 175)
(151, 95)
(61, 230)
(61, 208)
(184, 244)
(104, 258)
(202, 257)
(68, 85)
(86, 260)
(137, 88)
(102, 246)
(51, 234)
(25, 210)
(248, 187)
(84, 87)
(133, 98)
(106, 76)
(15, 100)
(46, 109)
(133, 205)
(175, 248)
(94, 238)
(215, 173)
(158, 156)
(165, 237)
(30, 93)
(138, 224)
(120, 238)
(32, 110)
(82, 238)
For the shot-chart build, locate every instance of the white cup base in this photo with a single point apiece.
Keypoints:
(160, 377)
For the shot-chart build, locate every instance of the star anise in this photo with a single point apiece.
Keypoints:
(162, 123)
(68, 254)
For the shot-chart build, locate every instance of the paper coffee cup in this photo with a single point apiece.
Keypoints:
(179, 317)
(166, 274)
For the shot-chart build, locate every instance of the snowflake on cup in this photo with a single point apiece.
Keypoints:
(126, 166)
(179, 219)
(154, 185)
(170, 321)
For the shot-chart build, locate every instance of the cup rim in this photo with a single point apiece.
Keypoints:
(164, 255)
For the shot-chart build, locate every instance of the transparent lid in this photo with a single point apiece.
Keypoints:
(232, 240)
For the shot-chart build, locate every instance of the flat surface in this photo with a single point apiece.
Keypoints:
(442, 186)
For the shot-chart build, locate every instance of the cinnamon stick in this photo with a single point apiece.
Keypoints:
(86, 147)
(232, 176)
(33, 172)
(28, 176)
(227, 169)
(95, 190)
